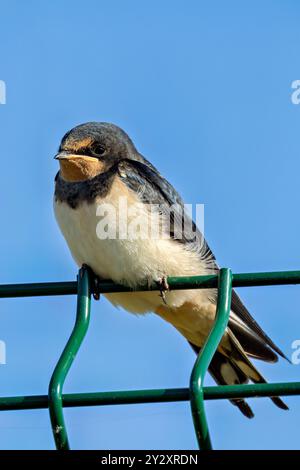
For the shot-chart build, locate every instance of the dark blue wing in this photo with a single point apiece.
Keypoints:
(153, 188)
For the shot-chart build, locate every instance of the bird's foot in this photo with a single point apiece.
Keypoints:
(95, 282)
(96, 288)
(163, 287)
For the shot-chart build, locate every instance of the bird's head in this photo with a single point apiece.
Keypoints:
(92, 148)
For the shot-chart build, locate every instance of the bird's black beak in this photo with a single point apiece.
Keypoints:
(62, 156)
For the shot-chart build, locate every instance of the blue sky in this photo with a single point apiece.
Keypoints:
(204, 90)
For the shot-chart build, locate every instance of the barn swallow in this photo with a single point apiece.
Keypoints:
(99, 165)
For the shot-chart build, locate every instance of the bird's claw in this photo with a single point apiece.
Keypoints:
(95, 282)
(163, 288)
(96, 289)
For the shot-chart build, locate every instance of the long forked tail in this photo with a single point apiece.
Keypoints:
(225, 373)
(235, 368)
(240, 359)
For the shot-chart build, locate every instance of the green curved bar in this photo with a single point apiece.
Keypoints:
(205, 357)
(66, 359)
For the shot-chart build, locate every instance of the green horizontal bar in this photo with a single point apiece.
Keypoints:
(266, 279)
(175, 283)
(151, 396)
(38, 289)
(252, 390)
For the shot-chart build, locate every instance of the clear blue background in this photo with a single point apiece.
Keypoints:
(204, 90)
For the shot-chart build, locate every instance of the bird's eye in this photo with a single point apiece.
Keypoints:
(98, 149)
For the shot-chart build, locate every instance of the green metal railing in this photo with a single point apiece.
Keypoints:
(197, 393)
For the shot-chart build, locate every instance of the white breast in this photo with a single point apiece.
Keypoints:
(128, 261)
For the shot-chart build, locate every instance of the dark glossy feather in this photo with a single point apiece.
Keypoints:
(215, 369)
(241, 311)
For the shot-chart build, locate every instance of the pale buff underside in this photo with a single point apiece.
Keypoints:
(132, 262)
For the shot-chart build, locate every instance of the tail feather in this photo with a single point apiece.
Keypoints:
(234, 367)
(242, 319)
(225, 373)
(243, 407)
(252, 344)
(242, 362)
